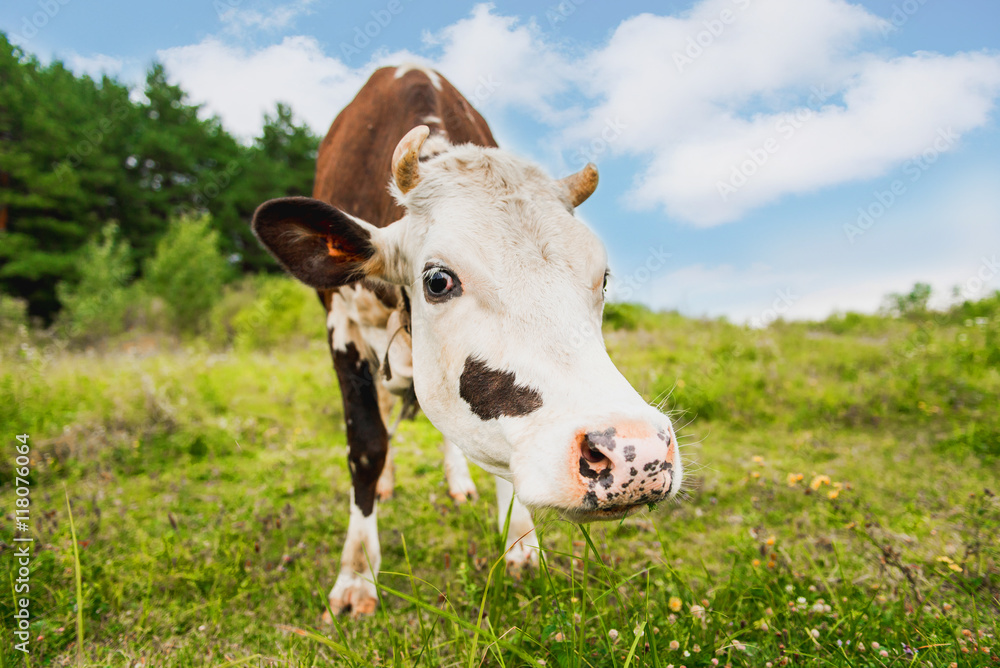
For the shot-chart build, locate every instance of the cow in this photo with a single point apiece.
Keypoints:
(456, 275)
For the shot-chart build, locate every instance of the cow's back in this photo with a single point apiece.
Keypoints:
(354, 161)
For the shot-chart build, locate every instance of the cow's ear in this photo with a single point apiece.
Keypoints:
(318, 244)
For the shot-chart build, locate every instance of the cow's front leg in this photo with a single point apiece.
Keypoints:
(367, 443)
(522, 543)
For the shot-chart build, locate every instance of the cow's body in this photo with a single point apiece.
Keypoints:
(363, 318)
(481, 295)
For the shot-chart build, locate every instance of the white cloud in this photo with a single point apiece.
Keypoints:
(723, 109)
(949, 238)
(241, 20)
(784, 82)
(95, 65)
(241, 85)
(521, 68)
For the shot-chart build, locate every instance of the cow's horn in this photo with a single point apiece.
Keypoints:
(406, 158)
(581, 185)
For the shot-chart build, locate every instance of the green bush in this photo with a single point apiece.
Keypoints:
(911, 305)
(13, 315)
(95, 306)
(262, 312)
(628, 315)
(187, 272)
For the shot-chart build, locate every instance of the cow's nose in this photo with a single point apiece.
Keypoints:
(626, 465)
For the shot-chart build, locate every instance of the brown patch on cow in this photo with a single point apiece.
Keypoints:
(354, 162)
(492, 393)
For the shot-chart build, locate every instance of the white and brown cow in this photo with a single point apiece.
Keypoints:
(469, 282)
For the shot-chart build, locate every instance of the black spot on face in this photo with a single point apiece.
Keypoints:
(590, 500)
(633, 472)
(491, 393)
(651, 465)
(605, 478)
(586, 471)
(629, 451)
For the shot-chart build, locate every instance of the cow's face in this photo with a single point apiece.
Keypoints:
(506, 290)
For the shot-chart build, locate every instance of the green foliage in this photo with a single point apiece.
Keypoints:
(987, 307)
(95, 306)
(262, 312)
(13, 315)
(911, 304)
(188, 271)
(629, 316)
(209, 492)
(855, 323)
(76, 153)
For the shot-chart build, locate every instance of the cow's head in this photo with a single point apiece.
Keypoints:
(506, 289)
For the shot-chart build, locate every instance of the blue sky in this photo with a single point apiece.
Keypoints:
(758, 157)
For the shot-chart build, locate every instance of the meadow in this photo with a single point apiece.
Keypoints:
(189, 499)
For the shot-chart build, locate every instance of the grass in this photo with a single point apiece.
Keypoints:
(839, 510)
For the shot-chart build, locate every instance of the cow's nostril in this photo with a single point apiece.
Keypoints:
(590, 453)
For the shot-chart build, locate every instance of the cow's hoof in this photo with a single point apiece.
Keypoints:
(354, 593)
(462, 489)
(523, 555)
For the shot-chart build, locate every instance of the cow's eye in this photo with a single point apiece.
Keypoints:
(440, 285)
(605, 286)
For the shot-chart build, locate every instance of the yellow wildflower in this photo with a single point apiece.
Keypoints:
(675, 603)
(819, 481)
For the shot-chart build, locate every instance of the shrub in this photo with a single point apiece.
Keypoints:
(13, 315)
(95, 306)
(187, 272)
(913, 304)
(627, 315)
(262, 312)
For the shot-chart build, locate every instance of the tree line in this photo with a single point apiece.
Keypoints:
(78, 155)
